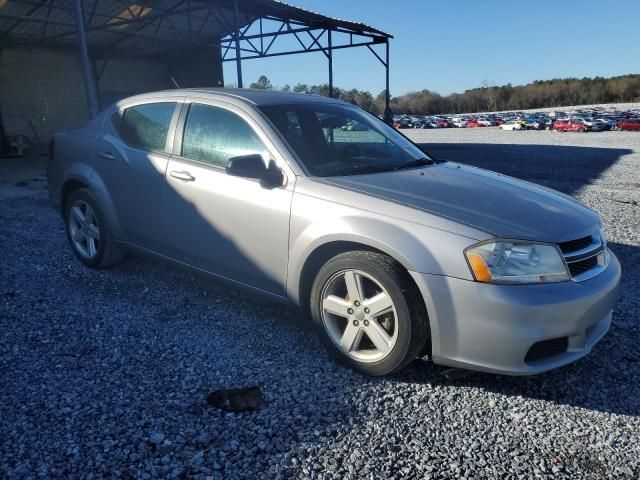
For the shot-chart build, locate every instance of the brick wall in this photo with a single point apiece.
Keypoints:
(42, 90)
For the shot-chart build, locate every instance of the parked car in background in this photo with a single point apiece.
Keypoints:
(598, 125)
(429, 122)
(591, 123)
(572, 125)
(512, 125)
(533, 124)
(390, 252)
(630, 124)
(609, 122)
(459, 123)
(402, 123)
(473, 123)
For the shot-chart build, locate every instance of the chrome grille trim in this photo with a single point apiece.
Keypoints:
(586, 252)
(597, 249)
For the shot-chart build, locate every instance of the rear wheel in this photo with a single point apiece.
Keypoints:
(88, 231)
(369, 312)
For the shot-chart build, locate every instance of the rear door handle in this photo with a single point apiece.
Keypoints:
(106, 156)
(184, 176)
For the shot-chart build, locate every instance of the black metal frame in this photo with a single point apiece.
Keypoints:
(313, 32)
(312, 38)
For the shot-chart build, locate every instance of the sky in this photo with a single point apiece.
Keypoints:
(450, 46)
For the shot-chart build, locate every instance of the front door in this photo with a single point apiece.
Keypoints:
(228, 225)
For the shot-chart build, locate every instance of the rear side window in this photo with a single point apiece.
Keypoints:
(146, 126)
(213, 135)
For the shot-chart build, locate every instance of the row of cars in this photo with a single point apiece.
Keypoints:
(592, 120)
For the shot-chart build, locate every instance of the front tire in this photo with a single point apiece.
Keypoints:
(88, 231)
(369, 312)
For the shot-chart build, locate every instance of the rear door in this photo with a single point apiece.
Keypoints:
(131, 160)
(231, 226)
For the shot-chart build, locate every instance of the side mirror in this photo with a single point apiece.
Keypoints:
(252, 166)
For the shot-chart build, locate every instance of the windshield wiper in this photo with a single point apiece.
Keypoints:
(419, 162)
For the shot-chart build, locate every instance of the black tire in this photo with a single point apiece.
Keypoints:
(412, 320)
(108, 251)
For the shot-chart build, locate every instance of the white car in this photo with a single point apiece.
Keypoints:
(485, 123)
(512, 125)
(459, 123)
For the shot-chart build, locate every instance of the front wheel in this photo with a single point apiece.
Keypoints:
(369, 312)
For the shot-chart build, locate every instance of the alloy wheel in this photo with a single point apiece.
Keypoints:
(84, 230)
(359, 316)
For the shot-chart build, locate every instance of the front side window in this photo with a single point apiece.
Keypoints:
(146, 126)
(214, 135)
(336, 139)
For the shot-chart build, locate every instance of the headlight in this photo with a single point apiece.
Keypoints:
(516, 262)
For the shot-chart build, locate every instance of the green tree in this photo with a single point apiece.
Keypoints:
(263, 83)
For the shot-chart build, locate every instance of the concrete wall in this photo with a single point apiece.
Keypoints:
(42, 90)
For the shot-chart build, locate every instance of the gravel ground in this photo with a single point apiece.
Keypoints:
(105, 373)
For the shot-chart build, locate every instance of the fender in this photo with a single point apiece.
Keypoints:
(414, 246)
(99, 188)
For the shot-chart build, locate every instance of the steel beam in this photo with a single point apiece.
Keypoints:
(310, 50)
(89, 81)
(388, 114)
(237, 34)
(330, 55)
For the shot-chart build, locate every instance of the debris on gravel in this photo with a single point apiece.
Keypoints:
(236, 399)
(105, 373)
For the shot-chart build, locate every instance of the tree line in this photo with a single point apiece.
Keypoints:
(557, 92)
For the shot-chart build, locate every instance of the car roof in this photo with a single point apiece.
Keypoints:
(246, 95)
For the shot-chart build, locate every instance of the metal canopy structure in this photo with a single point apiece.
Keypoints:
(240, 29)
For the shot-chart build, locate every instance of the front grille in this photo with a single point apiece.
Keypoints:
(583, 257)
(581, 266)
(547, 348)
(575, 245)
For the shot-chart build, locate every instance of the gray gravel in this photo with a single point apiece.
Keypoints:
(106, 373)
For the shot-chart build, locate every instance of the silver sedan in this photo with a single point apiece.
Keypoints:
(392, 253)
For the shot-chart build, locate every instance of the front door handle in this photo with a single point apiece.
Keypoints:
(184, 176)
(106, 155)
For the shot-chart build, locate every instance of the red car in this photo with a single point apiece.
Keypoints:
(569, 126)
(498, 121)
(628, 124)
(442, 124)
(473, 123)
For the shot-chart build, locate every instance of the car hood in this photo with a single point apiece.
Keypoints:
(499, 205)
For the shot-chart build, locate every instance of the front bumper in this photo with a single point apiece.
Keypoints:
(491, 328)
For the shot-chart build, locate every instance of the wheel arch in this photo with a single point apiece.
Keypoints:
(329, 249)
(324, 252)
(95, 184)
(70, 185)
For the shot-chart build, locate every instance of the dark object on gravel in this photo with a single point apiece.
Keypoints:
(236, 399)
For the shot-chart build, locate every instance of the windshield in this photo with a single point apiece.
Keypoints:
(333, 139)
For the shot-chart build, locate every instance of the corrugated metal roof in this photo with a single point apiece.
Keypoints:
(112, 25)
